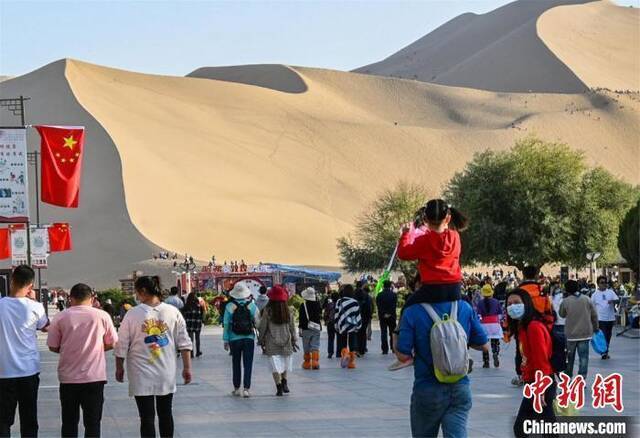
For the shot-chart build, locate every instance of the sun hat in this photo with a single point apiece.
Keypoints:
(278, 293)
(240, 291)
(309, 294)
(487, 290)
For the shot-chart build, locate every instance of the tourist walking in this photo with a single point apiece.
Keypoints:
(277, 335)
(347, 322)
(366, 313)
(262, 299)
(605, 299)
(20, 317)
(581, 322)
(386, 303)
(309, 323)
(329, 315)
(434, 404)
(193, 313)
(240, 319)
(174, 299)
(535, 342)
(149, 337)
(81, 334)
(542, 303)
(490, 312)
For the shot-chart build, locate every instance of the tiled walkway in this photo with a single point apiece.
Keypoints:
(366, 402)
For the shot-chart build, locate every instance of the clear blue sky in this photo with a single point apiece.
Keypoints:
(176, 37)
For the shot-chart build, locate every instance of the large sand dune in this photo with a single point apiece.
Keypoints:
(272, 162)
(537, 45)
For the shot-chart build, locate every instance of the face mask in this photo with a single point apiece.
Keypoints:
(516, 311)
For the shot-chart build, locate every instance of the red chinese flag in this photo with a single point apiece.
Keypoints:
(59, 237)
(5, 243)
(61, 148)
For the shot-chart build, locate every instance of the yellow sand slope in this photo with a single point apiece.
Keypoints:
(245, 171)
(599, 42)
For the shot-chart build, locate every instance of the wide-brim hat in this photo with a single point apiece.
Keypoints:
(240, 291)
(278, 293)
(487, 290)
(309, 294)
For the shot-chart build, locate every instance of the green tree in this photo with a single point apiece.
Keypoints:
(601, 205)
(377, 228)
(537, 203)
(629, 239)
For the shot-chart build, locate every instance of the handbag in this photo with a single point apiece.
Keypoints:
(310, 324)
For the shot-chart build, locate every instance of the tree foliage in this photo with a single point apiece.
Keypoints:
(629, 239)
(537, 203)
(369, 247)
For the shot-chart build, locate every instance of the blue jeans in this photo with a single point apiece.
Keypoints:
(242, 350)
(583, 354)
(440, 405)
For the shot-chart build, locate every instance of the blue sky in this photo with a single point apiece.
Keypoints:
(176, 37)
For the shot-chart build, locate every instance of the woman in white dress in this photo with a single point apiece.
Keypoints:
(149, 336)
(277, 336)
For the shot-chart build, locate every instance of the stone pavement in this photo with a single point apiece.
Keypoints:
(367, 402)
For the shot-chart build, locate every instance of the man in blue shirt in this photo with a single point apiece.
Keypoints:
(435, 404)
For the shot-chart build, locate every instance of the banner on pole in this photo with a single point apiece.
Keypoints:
(14, 192)
(18, 246)
(39, 247)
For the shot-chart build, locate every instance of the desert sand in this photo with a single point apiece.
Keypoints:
(599, 42)
(273, 162)
(561, 46)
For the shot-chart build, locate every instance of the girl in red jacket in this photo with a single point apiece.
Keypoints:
(435, 243)
(536, 347)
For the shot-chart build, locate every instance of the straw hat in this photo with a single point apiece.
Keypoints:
(487, 290)
(240, 291)
(309, 294)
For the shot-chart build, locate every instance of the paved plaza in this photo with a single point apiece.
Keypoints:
(367, 402)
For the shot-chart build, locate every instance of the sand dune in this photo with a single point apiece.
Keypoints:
(272, 76)
(273, 162)
(106, 244)
(243, 171)
(503, 51)
(599, 42)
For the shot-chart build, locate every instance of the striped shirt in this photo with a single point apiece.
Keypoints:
(347, 316)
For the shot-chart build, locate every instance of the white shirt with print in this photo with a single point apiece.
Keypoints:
(149, 338)
(600, 299)
(20, 318)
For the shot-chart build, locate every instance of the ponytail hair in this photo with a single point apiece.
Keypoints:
(436, 210)
(150, 285)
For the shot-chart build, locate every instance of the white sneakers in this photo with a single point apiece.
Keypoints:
(238, 393)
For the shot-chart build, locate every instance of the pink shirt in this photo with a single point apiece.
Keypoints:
(81, 333)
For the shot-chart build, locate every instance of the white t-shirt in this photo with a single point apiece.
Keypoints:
(600, 299)
(148, 340)
(557, 300)
(20, 318)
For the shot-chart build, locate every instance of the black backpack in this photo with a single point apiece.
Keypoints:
(241, 321)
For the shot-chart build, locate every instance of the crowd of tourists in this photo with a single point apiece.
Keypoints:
(549, 323)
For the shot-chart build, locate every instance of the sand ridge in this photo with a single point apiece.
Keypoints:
(556, 46)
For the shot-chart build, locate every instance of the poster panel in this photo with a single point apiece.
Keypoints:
(14, 191)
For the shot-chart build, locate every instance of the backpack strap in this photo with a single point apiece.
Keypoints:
(453, 314)
(432, 313)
